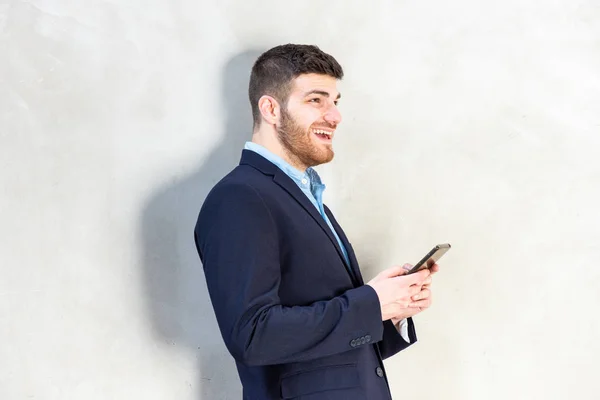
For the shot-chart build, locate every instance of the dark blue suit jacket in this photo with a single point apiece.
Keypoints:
(298, 323)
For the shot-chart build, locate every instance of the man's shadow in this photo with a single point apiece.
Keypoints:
(176, 296)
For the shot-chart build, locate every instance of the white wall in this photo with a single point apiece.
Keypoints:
(470, 122)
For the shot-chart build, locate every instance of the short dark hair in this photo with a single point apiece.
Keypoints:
(274, 70)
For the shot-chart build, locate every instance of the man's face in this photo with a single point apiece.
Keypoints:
(308, 123)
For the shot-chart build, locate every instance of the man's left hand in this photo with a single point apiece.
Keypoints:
(421, 301)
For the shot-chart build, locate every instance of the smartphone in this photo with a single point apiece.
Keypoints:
(431, 258)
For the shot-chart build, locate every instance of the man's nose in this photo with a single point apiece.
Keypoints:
(333, 115)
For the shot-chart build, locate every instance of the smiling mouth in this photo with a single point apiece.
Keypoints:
(323, 134)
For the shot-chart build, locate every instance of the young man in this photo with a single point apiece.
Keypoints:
(283, 279)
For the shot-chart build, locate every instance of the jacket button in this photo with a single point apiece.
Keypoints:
(379, 372)
(368, 338)
(353, 343)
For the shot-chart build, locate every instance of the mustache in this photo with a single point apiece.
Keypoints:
(324, 125)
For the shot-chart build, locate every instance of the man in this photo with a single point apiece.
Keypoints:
(283, 279)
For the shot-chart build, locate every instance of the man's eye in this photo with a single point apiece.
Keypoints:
(316, 100)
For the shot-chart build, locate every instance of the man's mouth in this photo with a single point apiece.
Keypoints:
(323, 134)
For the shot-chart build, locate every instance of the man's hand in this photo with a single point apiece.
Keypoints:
(396, 291)
(420, 301)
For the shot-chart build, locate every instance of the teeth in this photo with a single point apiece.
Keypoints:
(322, 132)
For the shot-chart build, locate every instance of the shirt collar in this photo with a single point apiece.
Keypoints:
(307, 179)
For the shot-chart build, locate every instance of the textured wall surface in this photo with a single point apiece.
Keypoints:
(472, 122)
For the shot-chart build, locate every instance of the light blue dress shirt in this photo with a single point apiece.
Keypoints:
(309, 182)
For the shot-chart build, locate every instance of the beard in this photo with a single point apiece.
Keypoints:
(298, 143)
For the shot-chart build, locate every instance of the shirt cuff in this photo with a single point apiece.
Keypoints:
(402, 328)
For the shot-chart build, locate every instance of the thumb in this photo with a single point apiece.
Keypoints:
(396, 270)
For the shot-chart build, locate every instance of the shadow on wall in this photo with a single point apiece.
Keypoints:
(176, 295)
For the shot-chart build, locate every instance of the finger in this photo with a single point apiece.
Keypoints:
(422, 295)
(415, 279)
(403, 304)
(420, 304)
(420, 276)
(404, 295)
(434, 268)
(414, 290)
(427, 281)
(393, 271)
(407, 267)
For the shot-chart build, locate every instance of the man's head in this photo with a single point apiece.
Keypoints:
(293, 93)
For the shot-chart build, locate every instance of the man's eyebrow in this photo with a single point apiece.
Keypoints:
(322, 93)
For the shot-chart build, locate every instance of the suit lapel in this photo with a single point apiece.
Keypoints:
(288, 185)
(351, 256)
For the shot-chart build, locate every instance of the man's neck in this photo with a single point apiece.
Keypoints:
(269, 141)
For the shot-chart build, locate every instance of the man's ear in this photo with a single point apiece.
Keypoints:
(269, 109)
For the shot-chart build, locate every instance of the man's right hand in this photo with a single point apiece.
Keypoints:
(395, 289)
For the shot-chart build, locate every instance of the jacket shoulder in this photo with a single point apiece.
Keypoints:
(244, 188)
(242, 179)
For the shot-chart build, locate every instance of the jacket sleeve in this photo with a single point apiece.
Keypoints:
(237, 240)
(393, 342)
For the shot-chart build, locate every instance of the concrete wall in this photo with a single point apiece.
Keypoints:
(472, 122)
